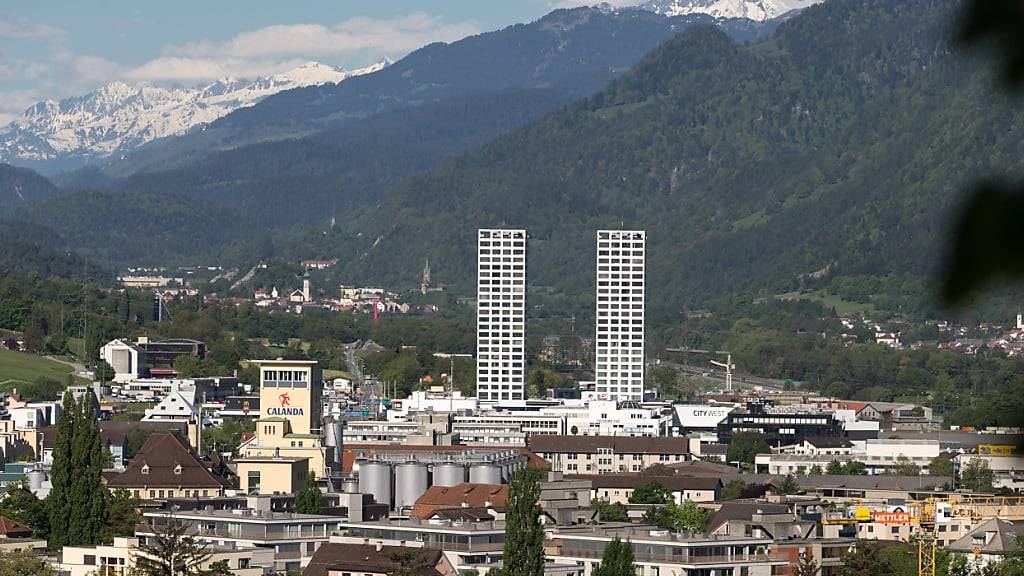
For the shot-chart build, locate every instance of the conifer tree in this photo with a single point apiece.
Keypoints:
(308, 499)
(172, 552)
(62, 475)
(617, 560)
(524, 534)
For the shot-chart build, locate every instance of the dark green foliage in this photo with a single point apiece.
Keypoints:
(976, 476)
(21, 185)
(23, 507)
(941, 466)
(227, 436)
(610, 512)
(789, 485)
(733, 489)
(524, 533)
(745, 446)
(172, 553)
(616, 560)
(122, 516)
(852, 468)
(77, 504)
(309, 498)
(685, 518)
(652, 492)
(25, 563)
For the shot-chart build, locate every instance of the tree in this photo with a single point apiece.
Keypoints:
(122, 517)
(308, 500)
(976, 476)
(815, 470)
(34, 339)
(690, 518)
(733, 489)
(103, 371)
(807, 566)
(941, 466)
(745, 446)
(608, 512)
(835, 468)
(616, 560)
(23, 507)
(650, 493)
(789, 485)
(905, 467)
(24, 563)
(524, 533)
(77, 503)
(172, 552)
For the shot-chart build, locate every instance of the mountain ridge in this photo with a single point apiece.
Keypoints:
(120, 117)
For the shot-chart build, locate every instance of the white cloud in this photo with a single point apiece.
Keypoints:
(17, 27)
(275, 48)
(578, 3)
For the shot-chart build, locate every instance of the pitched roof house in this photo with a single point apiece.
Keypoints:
(166, 467)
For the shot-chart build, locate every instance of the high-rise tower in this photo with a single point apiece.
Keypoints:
(619, 358)
(501, 316)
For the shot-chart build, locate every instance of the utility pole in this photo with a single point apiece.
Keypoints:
(451, 375)
(728, 365)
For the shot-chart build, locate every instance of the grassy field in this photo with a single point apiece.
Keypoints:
(843, 307)
(21, 367)
(337, 373)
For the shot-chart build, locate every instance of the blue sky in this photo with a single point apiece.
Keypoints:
(54, 49)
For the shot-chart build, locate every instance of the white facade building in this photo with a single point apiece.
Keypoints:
(619, 360)
(127, 360)
(501, 316)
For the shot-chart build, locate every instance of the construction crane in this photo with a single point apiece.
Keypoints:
(728, 365)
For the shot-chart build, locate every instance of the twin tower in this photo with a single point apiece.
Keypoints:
(501, 315)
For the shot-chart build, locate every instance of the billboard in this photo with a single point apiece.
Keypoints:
(700, 416)
(892, 517)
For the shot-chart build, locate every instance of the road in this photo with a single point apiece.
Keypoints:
(78, 367)
(368, 387)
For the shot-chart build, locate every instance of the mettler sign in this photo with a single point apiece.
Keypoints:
(700, 415)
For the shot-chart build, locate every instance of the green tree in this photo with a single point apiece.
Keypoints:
(123, 515)
(309, 499)
(650, 493)
(789, 485)
(905, 467)
(745, 446)
(24, 563)
(616, 560)
(172, 552)
(855, 468)
(609, 512)
(815, 470)
(976, 476)
(411, 562)
(77, 503)
(733, 489)
(835, 468)
(941, 466)
(524, 533)
(103, 371)
(690, 518)
(23, 507)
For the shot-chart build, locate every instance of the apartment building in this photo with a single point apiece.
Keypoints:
(501, 316)
(619, 359)
(608, 454)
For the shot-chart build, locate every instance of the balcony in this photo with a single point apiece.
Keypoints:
(681, 559)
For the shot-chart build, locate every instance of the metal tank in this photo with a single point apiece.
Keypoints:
(449, 474)
(350, 485)
(485, 474)
(375, 479)
(410, 483)
(332, 440)
(36, 476)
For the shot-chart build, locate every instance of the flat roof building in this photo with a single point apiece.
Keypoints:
(501, 316)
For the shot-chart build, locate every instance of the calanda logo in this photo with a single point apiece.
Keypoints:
(286, 408)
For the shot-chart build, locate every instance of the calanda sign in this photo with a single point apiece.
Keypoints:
(285, 409)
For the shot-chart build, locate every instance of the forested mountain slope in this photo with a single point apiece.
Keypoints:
(21, 185)
(844, 140)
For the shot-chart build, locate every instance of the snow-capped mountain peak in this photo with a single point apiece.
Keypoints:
(121, 116)
(759, 10)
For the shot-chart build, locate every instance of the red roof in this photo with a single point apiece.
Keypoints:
(12, 529)
(466, 494)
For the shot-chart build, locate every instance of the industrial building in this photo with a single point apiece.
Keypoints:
(398, 479)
